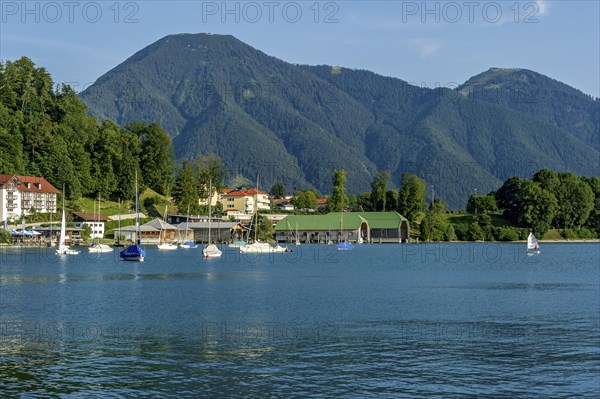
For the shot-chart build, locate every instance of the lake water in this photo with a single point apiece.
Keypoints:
(381, 321)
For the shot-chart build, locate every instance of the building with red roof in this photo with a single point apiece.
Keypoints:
(23, 195)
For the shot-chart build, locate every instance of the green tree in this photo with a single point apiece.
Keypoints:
(432, 226)
(476, 233)
(157, 157)
(450, 233)
(338, 200)
(305, 200)
(411, 196)
(364, 202)
(185, 191)
(593, 221)
(391, 200)
(277, 190)
(378, 190)
(210, 170)
(265, 229)
(547, 179)
(575, 201)
(507, 199)
(482, 204)
(537, 208)
(127, 165)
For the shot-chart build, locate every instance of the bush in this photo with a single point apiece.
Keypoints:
(5, 236)
(507, 233)
(582, 234)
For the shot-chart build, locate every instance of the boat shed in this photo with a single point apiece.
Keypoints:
(150, 232)
(221, 232)
(369, 227)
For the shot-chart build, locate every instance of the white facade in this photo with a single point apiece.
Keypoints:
(20, 195)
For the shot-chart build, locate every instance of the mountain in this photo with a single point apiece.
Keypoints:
(296, 123)
(545, 99)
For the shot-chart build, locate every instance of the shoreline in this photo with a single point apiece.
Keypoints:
(577, 241)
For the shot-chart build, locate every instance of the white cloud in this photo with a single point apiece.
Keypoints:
(425, 47)
(543, 7)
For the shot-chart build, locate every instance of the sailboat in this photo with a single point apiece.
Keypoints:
(532, 245)
(135, 252)
(259, 247)
(297, 237)
(343, 245)
(96, 246)
(118, 242)
(161, 244)
(62, 248)
(210, 250)
(188, 244)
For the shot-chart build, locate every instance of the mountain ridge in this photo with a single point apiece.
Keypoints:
(296, 123)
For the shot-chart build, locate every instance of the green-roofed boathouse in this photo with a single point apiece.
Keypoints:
(371, 227)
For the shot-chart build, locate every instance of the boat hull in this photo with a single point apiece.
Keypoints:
(211, 251)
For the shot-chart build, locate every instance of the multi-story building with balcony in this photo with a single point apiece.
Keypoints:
(244, 201)
(24, 195)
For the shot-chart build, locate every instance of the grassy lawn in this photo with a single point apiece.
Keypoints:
(151, 203)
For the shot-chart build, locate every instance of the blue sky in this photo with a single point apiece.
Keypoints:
(431, 43)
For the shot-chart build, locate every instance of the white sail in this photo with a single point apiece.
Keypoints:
(61, 240)
(62, 248)
(532, 242)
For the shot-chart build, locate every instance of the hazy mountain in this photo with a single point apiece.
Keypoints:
(293, 123)
(543, 98)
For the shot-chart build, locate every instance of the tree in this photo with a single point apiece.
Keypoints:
(128, 165)
(210, 170)
(391, 200)
(411, 196)
(575, 201)
(185, 191)
(450, 233)
(338, 200)
(507, 199)
(593, 221)
(265, 229)
(476, 233)
(547, 179)
(305, 200)
(364, 203)
(433, 227)
(536, 208)
(157, 157)
(277, 190)
(482, 204)
(378, 190)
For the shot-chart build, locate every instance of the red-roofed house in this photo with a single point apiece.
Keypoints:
(91, 219)
(244, 200)
(20, 195)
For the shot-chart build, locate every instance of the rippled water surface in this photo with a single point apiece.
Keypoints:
(381, 321)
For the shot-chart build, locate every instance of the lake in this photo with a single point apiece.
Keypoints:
(380, 321)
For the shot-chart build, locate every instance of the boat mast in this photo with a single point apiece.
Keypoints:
(209, 207)
(137, 212)
(119, 235)
(256, 211)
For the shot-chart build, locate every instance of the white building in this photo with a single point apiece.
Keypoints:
(21, 195)
(243, 200)
(95, 221)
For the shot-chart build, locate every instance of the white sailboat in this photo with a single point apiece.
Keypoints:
(62, 248)
(161, 244)
(260, 247)
(532, 245)
(210, 250)
(96, 246)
